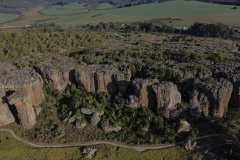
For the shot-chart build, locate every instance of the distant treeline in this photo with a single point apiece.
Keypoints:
(226, 2)
(15, 4)
(197, 29)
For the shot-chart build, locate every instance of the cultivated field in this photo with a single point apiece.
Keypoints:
(72, 8)
(7, 17)
(188, 11)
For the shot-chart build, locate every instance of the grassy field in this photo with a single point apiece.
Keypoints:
(188, 11)
(7, 17)
(72, 8)
(104, 6)
(13, 149)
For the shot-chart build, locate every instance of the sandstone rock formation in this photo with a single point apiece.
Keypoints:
(58, 71)
(6, 116)
(2, 94)
(28, 79)
(184, 126)
(133, 102)
(110, 128)
(93, 114)
(167, 96)
(21, 101)
(190, 146)
(80, 125)
(210, 97)
(144, 92)
(234, 77)
(105, 78)
(89, 152)
(6, 67)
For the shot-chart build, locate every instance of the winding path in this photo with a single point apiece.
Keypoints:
(137, 148)
(217, 152)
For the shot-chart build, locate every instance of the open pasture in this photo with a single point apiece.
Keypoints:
(10, 148)
(7, 17)
(188, 11)
(72, 8)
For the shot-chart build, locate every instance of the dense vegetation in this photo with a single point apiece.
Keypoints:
(101, 44)
(139, 126)
(211, 30)
(81, 42)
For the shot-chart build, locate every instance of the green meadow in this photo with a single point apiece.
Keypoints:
(104, 6)
(10, 148)
(7, 17)
(72, 8)
(189, 11)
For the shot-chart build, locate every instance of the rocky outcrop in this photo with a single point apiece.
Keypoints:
(27, 79)
(88, 153)
(21, 101)
(210, 97)
(58, 71)
(94, 115)
(105, 78)
(6, 116)
(133, 102)
(144, 93)
(80, 125)
(184, 126)
(190, 146)
(6, 67)
(110, 128)
(234, 77)
(167, 96)
(2, 94)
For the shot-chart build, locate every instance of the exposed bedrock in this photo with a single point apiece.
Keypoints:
(21, 101)
(110, 128)
(6, 116)
(58, 71)
(27, 79)
(234, 77)
(104, 78)
(93, 114)
(210, 97)
(143, 93)
(2, 95)
(167, 96)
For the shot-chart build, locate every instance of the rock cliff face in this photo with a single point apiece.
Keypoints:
(22, 102)
(58, 71)
(105, 78)
(167, 96)
(27, 79)
(144, 93)
(234, 77)
(210, 97)
(6, 116)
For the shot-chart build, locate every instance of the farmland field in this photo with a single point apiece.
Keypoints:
(7, 17)
(103, 6)
(72, 8)
(188, 11)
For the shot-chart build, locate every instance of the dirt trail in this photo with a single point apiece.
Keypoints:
(136, 147)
